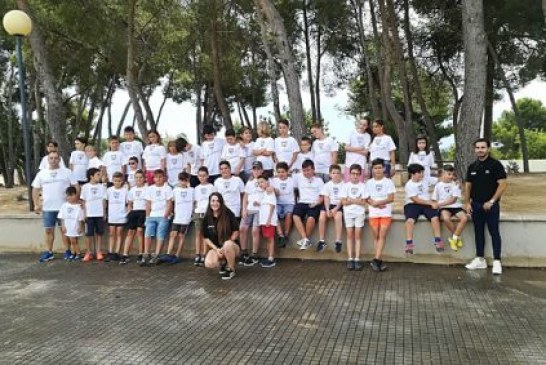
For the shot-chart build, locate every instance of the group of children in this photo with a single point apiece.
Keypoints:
(269, 184)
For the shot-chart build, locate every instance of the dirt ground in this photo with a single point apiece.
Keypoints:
(526, 194)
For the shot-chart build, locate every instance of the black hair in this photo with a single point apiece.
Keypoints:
(378, 161)
(414, 168)
(284, 121)
(224, 163)
(133, 158)
(482, 140)
(335, 167)
(55, 144)
(308, 163)
(128, 129)
(449, 168)
(421, 137)
(181, 144)
(208, 129)
(203, 169)
(184, 176)
(159, 172)
(307, 139)
(282, 165)
(355, 166)
(230, 133)
(264, 176)
(91, 172)
(71, 190)
(82, 140)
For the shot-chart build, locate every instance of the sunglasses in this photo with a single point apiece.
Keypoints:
(132, 163)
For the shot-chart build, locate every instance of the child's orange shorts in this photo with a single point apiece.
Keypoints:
(377, 222)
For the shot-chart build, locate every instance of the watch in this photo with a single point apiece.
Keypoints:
(492, 201)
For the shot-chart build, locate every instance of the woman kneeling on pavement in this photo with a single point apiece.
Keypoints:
(221, 232)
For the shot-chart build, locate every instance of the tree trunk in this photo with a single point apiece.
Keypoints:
(198, 114)
(544, 10)
(320, 53)
(288, 64)
(56, 113)
(217, 73)
(475, 51)
(272, 70)
(489, 99)
(308, 59)
(380, 59)
(123, 117)
(519, 121)
(132, 87)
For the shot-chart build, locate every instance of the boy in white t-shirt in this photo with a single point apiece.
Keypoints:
(332, 208)
(264, 147)
(286, 146)
(286, 199)
(93, 196)
(305, 154)
(307, 209)
(448, 195)
(381, 192)
(250, 209)
(132, 169)
(418, 202)
(202, 193)
(325, 151)
(116, 195)
(72, 221)
(136, 217)
(78, 161)
(233, 153)
(231, 188)
(131, 147)
(113, 160)
(174, 161)
(193, 160)
(212, 148)
(268, 219)
(183, 196)
(159, 206)
(353, 197)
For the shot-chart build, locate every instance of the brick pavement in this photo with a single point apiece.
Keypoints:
(299, 312)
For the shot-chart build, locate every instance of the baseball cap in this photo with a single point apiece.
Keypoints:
(257, 164)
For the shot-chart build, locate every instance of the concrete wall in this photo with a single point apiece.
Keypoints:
(523, 242)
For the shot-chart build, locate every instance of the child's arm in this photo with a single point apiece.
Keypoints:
(240, 165)
(63, 226)
(245, 204)
(104, 207)
(326, 202)
(148, 208)
(417, 200)
(168, 209)
(270, 216)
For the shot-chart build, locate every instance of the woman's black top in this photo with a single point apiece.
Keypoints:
(211, 231)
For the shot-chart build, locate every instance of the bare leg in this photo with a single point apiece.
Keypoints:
(49, 237)
(66, 241)
(128, 242)
(198, 242)
(158, 246)
(383, 230)
(271, 247)
(181, 238)
(212, 260)
(255, 239)
(435, 223)
(243, 235)
(463, 218)
(88, 244)
(299, 226)
(338, 219)
(147, 245)
(111, 238)
(172, 238)
(309, 226)
(140, 239)
(350, 242)
(322, 225)
(446, 217)
(119, 236)
(231, 251)
(358, 243)
(287, 224)
(410, 225)
(99, 242)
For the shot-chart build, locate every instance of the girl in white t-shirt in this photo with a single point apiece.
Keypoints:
(154, 156)
(264, 147)
(78, 161)
(175, 164)
(116, 196)
(422, 155)
(136, 216)
(382, 146)
(356, 149)
(247, 145)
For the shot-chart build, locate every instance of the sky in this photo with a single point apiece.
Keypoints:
(180, 118)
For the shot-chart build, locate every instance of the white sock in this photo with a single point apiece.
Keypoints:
(455, 237)
(270, 258)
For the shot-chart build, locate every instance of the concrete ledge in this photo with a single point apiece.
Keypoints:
(523, 237)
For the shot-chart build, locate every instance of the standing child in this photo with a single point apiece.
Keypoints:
(153, 157)
(353, 196)
(175, 164)
(79, 161)
(212, 148)
(381, 190)
(418, 202)
(72, 221)
(202, 193)
(251, 206)
(305, 154)
(117, 215)
(131, 147)
(332, 208)
(231, 187)
(52, 146)
(136, 216)
(113, 160)
(131, 171)
(356, 149)
(159, 204)
(93, 196)
(268, 220)
(325, 152)
(94, 161)
(382, 146)
(183, 196)
(233, 153)
(424, 156)
(264, 147)
(193, 160)
(286, 147)
(247, 145)
(286, 199)
(448, 195)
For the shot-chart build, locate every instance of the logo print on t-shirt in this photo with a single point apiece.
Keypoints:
(158, 193)
(183, 194)
(230, 150)
(226, 185)
(94, 191)
(69, 210)
(379, 188)
(321, 146)
(447, 189)
(284, 144)
(138, 193)
(421, 158)
(173, 161)
(116, 195)
(354, 191)
(53, 174)
(335, 190)
(420, 189)
(283, 186)
(377, 141)
(203, 191)
(113, 157)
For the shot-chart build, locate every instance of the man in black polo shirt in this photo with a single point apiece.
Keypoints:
(485, 184)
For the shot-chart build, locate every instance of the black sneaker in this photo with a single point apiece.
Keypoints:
(268, 263)
(281, 241)
(228, 275)
(375, 264)
(156, 260)
(251, 261)
(350, 265)
(197, 260)
(139, 259)
(321, 245)
(242, 258)
(145, 260)
(338, 246)
(123, 260)
(222, 270)
(382, 266)
(109, 257)
(358, 265)
(116, 256)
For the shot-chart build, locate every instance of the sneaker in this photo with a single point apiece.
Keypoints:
(409, 248)
(123, 260)
(116, 256)
(477, 263)
(165, 258)
(222, 270)
(459, 243)
(46, 256)
(76, 258)
(88, 257)
(339, 244)
(197, 260)
(109, 257)
(439, 246)
(175, 260)
(453, 244)
(100, 256)
(268, 263)
(145, 260)
(139, 259)
(358, 265)
(350, 265)
(300, 242)
(242, 259)
(306, 244)
(382, 266)
(67, 255)
(375, 265)
(251, 261)
(281, 241)
(497, 267)
(321, 246)
(155, 260)
(228, 275)
(70, 258)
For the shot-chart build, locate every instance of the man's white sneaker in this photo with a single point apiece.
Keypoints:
(477, 263)
(497, 267)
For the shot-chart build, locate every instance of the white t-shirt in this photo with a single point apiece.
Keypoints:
(354, 191)
(231, 189)
(117, 205)
(268, 200)
(285, 149)
(152, 156)
(44, 164)
(380, 190)
(358, 140)
(212, 151)
(175, 165)
(72, 216)
(233, 155)
(113, 160)
(137, 195)
(93, 195)
(131, 177)
(333, 191)
(159, 196)
(423, 159)
(132, 149)
(269, 145)
(302, 156)
(183, 204)
(78, 162)
(53, 184)
(202, 194)
(417, 189)
(309, 189)
(444, 191)
(322, 150)
(95, 163)
(285, 189)
(193, 158)
(249, 157)
(381, 147)
(254, 194)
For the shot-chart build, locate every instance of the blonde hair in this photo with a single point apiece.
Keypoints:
(264, 129)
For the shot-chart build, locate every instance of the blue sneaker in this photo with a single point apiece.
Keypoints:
(67, 255)
(70, 258)
(321, 246)
(268, 263)
(175, 260)
(47, 256)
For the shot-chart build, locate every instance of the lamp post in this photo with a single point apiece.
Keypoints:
(18, 24)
